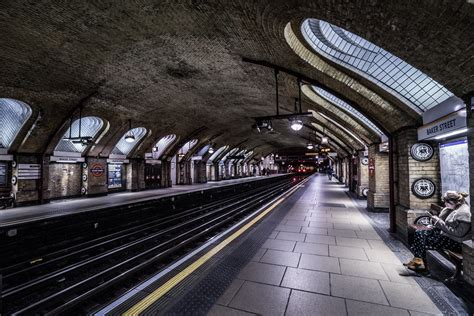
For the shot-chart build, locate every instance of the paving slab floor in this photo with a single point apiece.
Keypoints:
(324, 260)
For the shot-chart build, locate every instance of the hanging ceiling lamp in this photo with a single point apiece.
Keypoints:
(310, 144)
(296, 124)
(324, 138)
(210, 150)
(130, 137)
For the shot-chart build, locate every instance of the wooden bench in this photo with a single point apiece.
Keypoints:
(456, 258)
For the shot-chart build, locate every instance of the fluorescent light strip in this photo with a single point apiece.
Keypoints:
(461, 131)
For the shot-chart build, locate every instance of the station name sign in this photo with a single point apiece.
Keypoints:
(449, 123)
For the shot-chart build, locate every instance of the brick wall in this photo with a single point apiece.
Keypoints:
(64, 180)
(378, 197)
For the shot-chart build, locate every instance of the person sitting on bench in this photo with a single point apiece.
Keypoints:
(448, 231)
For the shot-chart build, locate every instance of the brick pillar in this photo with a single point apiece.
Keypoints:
(378, 197)
(136, 175)
(97, 176)
(362, 175)
(165, 174)
(45, 194)
(345, 171)
(468, 246)
(408, 206)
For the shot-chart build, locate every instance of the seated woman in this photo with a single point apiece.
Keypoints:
(448, 231)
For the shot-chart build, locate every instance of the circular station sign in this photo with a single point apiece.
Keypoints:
(421, 151)
(365, 192)
(97, 170)
(423, 188)
(365, 161)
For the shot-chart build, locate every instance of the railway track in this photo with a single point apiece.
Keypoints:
(61, 280)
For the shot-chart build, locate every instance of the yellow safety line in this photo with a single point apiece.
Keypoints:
(162, 290)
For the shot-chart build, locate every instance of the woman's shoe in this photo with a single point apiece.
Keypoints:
(416, 264)
(412, 261)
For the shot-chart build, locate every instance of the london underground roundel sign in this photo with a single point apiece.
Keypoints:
(97, 170)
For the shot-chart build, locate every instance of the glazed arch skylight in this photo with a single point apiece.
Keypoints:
(346, 108)
(88, 126)
(418, 90)
(186, 147)
(217, 153)
(123, 147)
(162, 145)
(13, 115)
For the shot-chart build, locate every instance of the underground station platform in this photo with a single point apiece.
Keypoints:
(285, 244)
(232, 157)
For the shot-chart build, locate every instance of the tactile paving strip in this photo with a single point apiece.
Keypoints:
(205, 292)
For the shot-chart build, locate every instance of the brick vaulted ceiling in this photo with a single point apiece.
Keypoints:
(176, 66)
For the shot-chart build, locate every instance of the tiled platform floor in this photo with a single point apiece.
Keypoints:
(324, 261)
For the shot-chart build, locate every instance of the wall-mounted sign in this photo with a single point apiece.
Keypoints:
(3, 174)
(364, 161)
(65, 159)
(447, 124)
(423, 188)
(371, 167)
(115, 176)
(421, 151)
(29, 171)
(97, 170)
(365, 192)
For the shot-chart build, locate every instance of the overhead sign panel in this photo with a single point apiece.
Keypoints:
(447, 124)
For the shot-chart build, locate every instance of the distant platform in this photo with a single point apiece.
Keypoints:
(24, 214)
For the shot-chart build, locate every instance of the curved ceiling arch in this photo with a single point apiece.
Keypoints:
(318, 104)
(406, 82)
(332, 99)
(379, 112)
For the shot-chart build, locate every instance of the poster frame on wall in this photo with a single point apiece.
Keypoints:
(446, 144)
